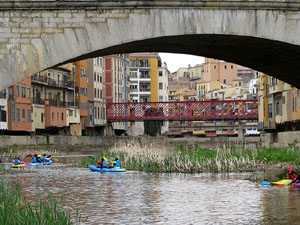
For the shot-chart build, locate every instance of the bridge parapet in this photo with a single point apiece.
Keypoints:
(114, 4)
(188, 110)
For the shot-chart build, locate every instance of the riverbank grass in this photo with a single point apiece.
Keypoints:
(16, 210)
(225, 159)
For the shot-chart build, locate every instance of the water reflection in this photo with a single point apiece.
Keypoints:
(146, 198)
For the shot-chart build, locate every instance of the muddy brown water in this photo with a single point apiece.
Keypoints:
(147, 198)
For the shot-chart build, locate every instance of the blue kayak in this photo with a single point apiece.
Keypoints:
(95, 168)
(40, 164)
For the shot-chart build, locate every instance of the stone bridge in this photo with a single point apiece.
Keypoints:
(38, 34)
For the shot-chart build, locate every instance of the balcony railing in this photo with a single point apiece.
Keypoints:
(145, 89)
(38, 101)
(51, 82)
(57, 103)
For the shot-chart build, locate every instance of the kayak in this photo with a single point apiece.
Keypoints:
(297, 185)
(282, 182)
(40, 164)
(18, 166)
(95, 168)
(265, 183)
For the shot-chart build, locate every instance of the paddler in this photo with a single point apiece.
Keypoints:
(292, 174)
(102, 163)
(117, 163)
(16, 161)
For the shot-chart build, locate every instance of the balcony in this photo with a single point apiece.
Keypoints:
(38, 101)
(55, 103)
(39, 79)
(51, 82)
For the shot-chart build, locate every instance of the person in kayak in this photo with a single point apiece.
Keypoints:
(16, 161)
(117, 163)
(36, 159)
(292, 174)
(102, 163)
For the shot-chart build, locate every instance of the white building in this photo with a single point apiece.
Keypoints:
(3, 110)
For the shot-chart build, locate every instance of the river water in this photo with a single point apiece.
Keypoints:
(147, 198)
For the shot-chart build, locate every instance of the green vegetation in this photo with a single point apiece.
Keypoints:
(226, 159)
(16, 210)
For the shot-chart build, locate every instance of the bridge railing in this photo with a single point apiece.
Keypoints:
(188, 110)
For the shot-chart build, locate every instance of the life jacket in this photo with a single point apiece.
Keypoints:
(104, 164)
(43, 159)
(16, 162)
(293, 176)
(34, 160)
(118, 164)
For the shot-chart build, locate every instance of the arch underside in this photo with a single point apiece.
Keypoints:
(275, 58)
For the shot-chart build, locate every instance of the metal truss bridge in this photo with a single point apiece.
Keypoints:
(187, 110)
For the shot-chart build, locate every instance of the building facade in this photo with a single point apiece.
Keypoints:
(96, 120)
(19, 106)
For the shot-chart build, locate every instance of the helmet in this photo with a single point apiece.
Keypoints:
(105, 158)
(39, 155)
(290, 169)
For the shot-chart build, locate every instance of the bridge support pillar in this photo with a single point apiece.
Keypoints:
(241, 134)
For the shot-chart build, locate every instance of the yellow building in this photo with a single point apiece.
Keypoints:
(203, 88)
(279, 103)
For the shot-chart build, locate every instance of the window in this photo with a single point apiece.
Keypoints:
(28, 116)
(270, 110)
(240, 83)
(231, 66)
(83, 91)
(95, 76)
(95, 92)
(160, 73)
(161, 98)
(62, 116)
(57, 116)
(23, 115)
(225, 67)
(10, 92)
(70, 112)
(13, 113)
(160, 86)
(224, 81)
(17, 90)
(101, 93)
(18, 114)
(23, 91)
(215, 67)
(42, 117)
(53, 115)
(28, 91)
(100, 79)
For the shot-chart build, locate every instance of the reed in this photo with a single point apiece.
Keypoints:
(153, 159)
(16, 210)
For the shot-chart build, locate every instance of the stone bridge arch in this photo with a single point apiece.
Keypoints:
(36, 35)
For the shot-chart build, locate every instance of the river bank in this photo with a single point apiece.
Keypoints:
(273, 162)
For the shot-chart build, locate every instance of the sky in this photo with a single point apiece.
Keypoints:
(175, 61)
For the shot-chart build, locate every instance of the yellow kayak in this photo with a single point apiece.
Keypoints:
(18, 166)
(282, 182)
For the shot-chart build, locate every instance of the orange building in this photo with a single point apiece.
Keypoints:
(55, 116)
(19, 106)
(81, 89)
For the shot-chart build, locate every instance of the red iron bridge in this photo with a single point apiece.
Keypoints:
(187, 110)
